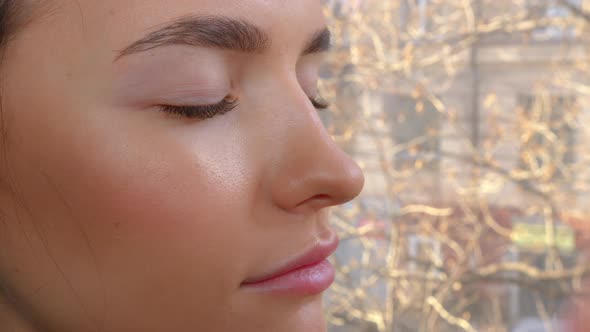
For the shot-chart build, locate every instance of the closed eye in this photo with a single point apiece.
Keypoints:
(204, 112)
(319, 103)
(200, 112)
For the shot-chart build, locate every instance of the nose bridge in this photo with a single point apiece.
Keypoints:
(313, 171)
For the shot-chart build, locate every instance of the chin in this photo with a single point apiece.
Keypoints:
(309, 318)
(280, 315)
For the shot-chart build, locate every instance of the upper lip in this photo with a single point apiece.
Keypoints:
(316, 254)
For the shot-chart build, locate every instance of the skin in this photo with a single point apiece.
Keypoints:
(119, 217)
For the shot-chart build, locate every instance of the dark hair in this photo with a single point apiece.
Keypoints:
(6, 7)
(10, 18)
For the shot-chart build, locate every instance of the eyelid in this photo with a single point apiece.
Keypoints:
(190, 97)
(173, 76)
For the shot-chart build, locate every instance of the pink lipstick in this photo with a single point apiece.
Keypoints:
(309, 274)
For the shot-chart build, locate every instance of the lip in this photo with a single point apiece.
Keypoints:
(308, 274)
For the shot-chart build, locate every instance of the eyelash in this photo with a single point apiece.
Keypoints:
(202, 112)
(320, 103)
(205, 112)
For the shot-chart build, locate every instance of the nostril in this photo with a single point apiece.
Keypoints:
(319, 199)
(321, 196)
(342, 184)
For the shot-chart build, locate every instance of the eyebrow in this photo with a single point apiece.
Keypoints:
(218, 32)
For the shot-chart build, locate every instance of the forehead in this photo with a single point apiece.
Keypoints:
(130, 19)
(86, 36)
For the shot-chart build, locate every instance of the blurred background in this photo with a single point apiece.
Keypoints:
(471, 120)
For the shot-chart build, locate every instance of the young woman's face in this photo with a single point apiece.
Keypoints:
(121, 215)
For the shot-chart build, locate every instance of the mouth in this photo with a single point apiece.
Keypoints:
(308, 274)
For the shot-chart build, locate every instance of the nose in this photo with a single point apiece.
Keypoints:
(313, 172)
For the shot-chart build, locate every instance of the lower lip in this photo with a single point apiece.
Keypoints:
(307, 280)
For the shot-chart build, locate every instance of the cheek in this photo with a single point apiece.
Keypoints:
(160, 209)
(153, 194)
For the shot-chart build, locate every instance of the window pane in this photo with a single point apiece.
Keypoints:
(469, 119)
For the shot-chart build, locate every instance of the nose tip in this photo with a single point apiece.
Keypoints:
(358, 180)
(312, 171)
(325, 176)
(351, 181)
